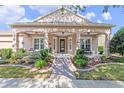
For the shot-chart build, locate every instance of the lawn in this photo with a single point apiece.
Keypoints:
(19, 72)
(106, 72)
(118, 59)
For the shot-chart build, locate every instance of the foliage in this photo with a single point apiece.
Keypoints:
(6, 53)
(83, 8)
(80, 52)
(13, 58)
(17, 55)
(81, 62)
(42, 54)
(103, 58)
(100, 49)
(117, 42)
(119, 59)
(21, 53)
(40, 63)
(80, 59)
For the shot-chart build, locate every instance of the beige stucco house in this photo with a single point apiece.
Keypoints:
(62, 31)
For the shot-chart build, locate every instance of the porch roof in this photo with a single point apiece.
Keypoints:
(61, 24)
(61, 17)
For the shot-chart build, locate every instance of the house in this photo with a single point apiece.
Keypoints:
(62, 31)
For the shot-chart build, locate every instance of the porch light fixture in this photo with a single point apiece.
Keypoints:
(88, 32)
(36, 32)
(62, 9)
(62, 32)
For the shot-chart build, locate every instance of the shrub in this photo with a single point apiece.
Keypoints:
(121, 60)
(103, 58)
(6, 53)
(21, 50)
(80, 52)
(81, 62)
(13, 58)
(117, 42)
(42, 54)
(80, 58)
(40, 63)
(100, 49)
(21, 53)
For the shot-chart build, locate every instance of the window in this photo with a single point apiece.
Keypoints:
(85, 44)
(70, 43)
(82, 44)
(41, 44)
(54, 42)
(38, 43)
(88, 45)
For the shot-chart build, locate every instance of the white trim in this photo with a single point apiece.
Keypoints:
(85, 38)
(39, 44)
(69, 38)
(54, 50)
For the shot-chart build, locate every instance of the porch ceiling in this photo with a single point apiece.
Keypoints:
(62, 33)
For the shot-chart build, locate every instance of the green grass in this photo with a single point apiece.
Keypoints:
(18, 72)
(121, 59)
(106, 72)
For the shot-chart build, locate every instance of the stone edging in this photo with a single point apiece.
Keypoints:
(27, 66)
(94, 67)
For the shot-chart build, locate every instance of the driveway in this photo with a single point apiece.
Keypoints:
(60, 83)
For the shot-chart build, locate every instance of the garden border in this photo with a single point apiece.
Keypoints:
(27, 66)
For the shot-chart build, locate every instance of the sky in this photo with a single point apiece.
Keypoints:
(28, 13)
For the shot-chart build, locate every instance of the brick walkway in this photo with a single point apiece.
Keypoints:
(63, 67)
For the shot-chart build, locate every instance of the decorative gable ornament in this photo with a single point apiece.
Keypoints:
(62, 15)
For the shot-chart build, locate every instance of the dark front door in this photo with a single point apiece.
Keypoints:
(62, 45)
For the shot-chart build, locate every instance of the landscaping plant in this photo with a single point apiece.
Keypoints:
(100, 49)
(42, 58)
(117, 42)
(21, 53)
(40, 63)
(13, 58)
(6, 53)
(80, 59)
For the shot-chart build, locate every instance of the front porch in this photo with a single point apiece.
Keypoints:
(61, 41)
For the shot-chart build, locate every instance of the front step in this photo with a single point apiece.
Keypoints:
(61, 55)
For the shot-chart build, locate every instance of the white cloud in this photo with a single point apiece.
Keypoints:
(10, 14)
(107, 16)
(99, 21)
(43, 9)
(90, 15)
(25, 20)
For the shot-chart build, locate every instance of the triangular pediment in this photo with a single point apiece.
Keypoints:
(62, 15)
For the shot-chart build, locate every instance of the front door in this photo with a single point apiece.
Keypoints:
(62, 45)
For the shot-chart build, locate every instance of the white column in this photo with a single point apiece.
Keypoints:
(107, 42)
(78, 40)
(15, 43)
(46, 40)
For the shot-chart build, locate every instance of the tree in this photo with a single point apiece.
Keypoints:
(82, 8)
(117, 42)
